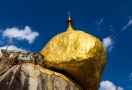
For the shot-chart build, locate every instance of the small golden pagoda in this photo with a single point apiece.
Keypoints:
(78, 54)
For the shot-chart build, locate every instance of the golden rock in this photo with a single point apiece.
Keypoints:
(77, 53)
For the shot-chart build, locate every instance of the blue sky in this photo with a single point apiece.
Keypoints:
(32, 23)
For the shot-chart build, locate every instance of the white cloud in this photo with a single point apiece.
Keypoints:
(128, 24)
(107, 85)
(21, 34)
(108, 43)
(120, 88)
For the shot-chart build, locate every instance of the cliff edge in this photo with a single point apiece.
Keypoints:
(28, 76)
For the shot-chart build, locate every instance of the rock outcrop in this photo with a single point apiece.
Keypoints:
(4, 65)
(28, 76)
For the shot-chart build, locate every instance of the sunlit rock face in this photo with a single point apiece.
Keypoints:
(28, 76)
(78, 54)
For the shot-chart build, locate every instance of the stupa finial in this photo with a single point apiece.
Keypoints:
(69, 22)
(69, 14)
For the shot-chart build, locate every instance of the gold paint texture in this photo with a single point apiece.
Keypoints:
(79, 54)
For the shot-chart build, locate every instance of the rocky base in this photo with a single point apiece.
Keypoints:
(28, 76)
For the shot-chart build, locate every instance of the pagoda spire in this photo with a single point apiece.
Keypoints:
(69, 22)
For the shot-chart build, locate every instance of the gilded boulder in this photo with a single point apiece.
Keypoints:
(80, 55)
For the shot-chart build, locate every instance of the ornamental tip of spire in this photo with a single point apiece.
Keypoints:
(69, 22)
(69, 18)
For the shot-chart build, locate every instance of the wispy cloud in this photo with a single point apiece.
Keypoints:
(111, 28)
(1, 42)
(128, 24)
(107, 85)
(21, 34)
(100, 22)
(129, 87)
(108, 43)
(130, 77)
(129, 80)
